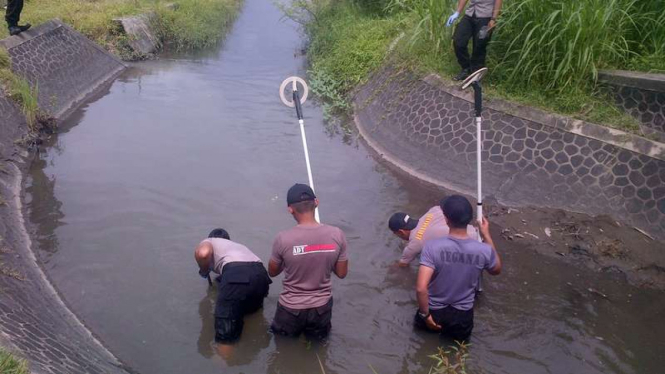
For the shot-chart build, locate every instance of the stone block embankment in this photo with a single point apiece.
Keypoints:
(64, 65)
(426, 127)
(34, 321)
(641, 95)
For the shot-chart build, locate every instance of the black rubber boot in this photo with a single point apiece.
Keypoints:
(462, 75)
(15, 30)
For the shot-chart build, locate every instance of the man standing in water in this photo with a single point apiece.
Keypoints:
(307, 254)
(449, 272)
(478, 22)
(243, 283)
(13, 15)
(430, 226)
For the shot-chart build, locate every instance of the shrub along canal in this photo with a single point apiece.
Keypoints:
(177, 147)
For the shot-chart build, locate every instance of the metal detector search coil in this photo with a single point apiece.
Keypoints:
(293, 81)
(297, 103)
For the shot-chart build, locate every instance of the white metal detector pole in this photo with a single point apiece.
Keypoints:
(474, 81)
(297, 103)
(479, 150)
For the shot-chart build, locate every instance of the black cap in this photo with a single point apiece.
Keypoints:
(402, 221)
(299, 193)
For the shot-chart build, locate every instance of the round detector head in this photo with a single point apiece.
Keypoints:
(476, 76)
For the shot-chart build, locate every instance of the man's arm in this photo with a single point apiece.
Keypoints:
(341, 269)
(410, 252)
(422, 294)
(424, 276)
(495, 13)
(487, 238)
(497, 9)
(276, 263)
(274, 269)
(203, 257)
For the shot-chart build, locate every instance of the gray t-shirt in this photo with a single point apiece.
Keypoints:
(481, 8)
(457, 265)
(225, 251)
(430, 226)
(308, 254)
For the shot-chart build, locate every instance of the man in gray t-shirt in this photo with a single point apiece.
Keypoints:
(307, 254)
(449, 271)
(243, 284)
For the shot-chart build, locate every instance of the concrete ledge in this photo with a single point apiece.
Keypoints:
(645, 81)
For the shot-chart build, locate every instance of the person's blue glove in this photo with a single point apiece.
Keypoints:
(452, 19)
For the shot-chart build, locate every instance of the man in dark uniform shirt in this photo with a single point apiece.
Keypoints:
(477, 23)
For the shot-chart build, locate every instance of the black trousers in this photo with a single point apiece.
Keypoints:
(456, 324)
(242, 288)
(314, 322)
(469, 27)
(13, 15)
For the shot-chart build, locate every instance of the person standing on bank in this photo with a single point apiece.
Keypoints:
(307, 254)
(243, 282)
(450, 270)
(430, 226)
(478, 22)
(13, 16)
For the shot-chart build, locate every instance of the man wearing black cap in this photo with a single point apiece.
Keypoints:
(307, 254)
(13, 15)
(430, 226)
(243, 283)
(449, 272)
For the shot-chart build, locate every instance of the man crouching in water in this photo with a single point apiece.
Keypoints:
(307, 253)
(243, 284)
(449, 272)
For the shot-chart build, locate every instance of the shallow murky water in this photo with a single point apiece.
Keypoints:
(178, 147)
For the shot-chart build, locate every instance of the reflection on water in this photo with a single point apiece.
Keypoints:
(175, 147)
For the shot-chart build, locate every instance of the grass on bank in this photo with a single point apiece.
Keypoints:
(19, 90)
(12, 365)
(194, 24)
(543, 54)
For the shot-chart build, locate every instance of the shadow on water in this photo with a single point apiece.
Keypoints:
(176, 147)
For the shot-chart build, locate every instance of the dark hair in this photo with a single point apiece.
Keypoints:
(304, 206)
(458, 210)
(219, 233)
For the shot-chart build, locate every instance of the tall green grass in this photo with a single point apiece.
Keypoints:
(561, 45)
(12, 365)
(349, 44)
(19, 90)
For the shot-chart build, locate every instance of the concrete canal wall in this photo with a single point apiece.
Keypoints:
(34, 321)
(426, 127)
(641, 95)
